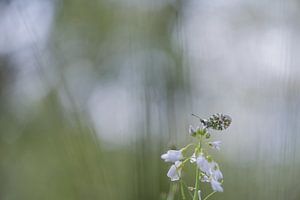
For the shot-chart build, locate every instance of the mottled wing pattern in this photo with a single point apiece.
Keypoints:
(219, 121)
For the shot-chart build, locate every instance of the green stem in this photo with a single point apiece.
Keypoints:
(186, 160)
(197, 171)
(209, 195)
(172, 191)
(182, 191)
(196, 184)
(185, 185)
(187, 146)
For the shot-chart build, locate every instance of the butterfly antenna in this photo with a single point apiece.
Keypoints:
(201, 120)
(196, 116)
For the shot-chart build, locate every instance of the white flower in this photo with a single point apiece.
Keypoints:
(213, 174)
(192, 131)
(174, 172)
(215, 171)
(199, 194)
(217, 174)
(203, 164)
(172, 156)
(216, 186)
(215, 145)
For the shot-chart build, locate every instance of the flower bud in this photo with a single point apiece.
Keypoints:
(207, 136)
(192, 131)
(209, 158)
(199, 194)
(215, 145)
(201, 131)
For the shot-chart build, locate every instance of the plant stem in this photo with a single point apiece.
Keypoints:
(197, 171)
(196, 184)
(187, 159)
(187, 146)
(182, 191)
(172, 191)
(185, 185)
(209, 195)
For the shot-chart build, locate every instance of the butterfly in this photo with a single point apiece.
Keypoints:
(217, 121)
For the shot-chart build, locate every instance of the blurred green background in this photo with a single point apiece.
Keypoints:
(93, 92)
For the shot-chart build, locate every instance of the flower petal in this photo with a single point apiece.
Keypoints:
(216, 186)
(192, 131)
(217, 175)
(172, 156)
(215, 145)
(174, 172)
(203, 164)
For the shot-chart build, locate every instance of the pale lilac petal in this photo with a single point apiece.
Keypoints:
(217, 175)
(172, 156)
(203, 164)
(174, 172)
(192, 131)
(216, 186)
(215, 145)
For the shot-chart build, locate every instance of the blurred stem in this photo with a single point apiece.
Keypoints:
(172, 191)
(185, 185)
(182, 191)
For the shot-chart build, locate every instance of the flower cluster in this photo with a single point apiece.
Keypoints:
(207, 169)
